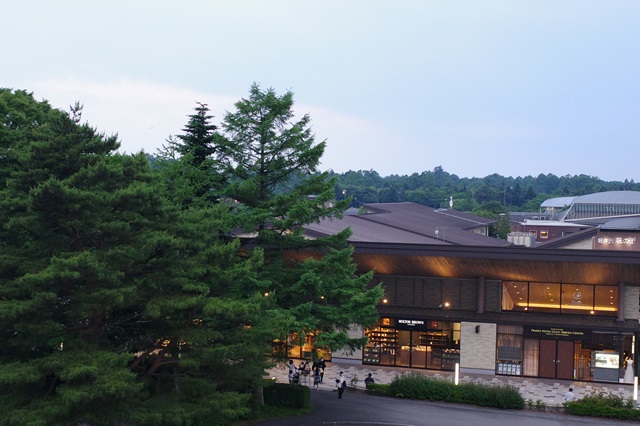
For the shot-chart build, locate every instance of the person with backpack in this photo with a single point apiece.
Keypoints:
(341, 382)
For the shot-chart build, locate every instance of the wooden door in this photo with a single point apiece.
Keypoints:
(547, 357)
(564, 360)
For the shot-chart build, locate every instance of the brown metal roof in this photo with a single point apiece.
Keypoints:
(409, 223)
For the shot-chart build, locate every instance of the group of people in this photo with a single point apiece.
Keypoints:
(317, 368)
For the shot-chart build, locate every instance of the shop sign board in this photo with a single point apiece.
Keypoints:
(616, 241)
(410, 324)
(559, 333)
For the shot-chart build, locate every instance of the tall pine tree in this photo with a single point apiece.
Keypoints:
(77, 234)
(231, 322)
(274, 177)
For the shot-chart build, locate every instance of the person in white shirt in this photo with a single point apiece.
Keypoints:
(341, 382)
(293, 372)
(569, 396)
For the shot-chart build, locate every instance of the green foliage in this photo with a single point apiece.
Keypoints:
(269, 151)
(286, 395)
(209, 408)
(417, 386)
(381, 388)
(603, 405)
(497, 193)
(101, 261)
(124, 296)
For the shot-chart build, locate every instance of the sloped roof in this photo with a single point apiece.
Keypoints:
(622, 224)
(409, 223)
(610, 197)
(559, 202)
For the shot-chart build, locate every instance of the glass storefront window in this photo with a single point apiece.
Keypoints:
(544, 297)
(509, 350)
(577, 298)
(581, 299)
(606, 301)
(515, 296)
(413, 343)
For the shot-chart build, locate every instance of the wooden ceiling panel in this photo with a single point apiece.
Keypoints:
(500, 269)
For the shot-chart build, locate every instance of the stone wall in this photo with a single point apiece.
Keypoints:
(478, 350)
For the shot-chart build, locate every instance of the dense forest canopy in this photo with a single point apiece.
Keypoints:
(493, 193)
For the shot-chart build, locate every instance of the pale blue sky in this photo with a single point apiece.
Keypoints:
(478, 87)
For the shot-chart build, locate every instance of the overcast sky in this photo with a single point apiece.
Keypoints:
(478, 87)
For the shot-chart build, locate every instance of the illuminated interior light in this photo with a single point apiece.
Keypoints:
(572, 307)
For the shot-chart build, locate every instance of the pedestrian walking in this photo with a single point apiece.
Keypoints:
(293, 373)
(320, 365)
(341, 382)
(316, 378)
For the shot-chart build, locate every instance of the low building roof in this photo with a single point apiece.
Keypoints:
(622, 224)
(409, 223)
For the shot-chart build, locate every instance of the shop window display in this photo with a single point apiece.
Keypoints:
(413, 343)
(566, 298)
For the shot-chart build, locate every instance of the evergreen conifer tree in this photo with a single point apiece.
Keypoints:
(274, 177)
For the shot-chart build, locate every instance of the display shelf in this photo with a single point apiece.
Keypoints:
(371, 355)
(449, 359)
(433, 339)
(381, 345)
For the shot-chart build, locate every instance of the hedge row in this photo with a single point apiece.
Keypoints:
(603, 405)
(417, 386)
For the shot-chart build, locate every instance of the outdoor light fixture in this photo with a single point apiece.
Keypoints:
(477, 329)
(384, 300)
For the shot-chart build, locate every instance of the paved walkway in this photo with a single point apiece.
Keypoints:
(547, 391)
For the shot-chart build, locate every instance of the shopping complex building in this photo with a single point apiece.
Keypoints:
(454, 295)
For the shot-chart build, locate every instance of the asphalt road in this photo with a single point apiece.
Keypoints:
(358, 408)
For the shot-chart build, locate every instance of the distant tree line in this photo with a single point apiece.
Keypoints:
(489, 195)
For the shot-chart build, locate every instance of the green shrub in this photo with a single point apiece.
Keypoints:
(603, 405)
(379, 388)
(285, 395)
(417, 386)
